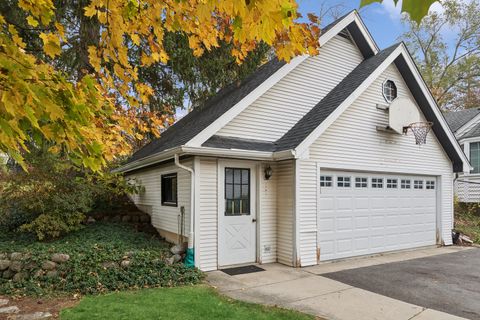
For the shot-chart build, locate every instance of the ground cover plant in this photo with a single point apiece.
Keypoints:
(188, 302)
(96, 263)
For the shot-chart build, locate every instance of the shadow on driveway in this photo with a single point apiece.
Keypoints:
(448, 282)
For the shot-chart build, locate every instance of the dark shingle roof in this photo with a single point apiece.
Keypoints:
(456, 119)
(199, 118)
(237, 143)
(473, 132)
(332, 100)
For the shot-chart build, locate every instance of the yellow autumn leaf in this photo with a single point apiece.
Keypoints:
(32, 21)
(51, 44)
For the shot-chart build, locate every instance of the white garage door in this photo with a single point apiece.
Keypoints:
(365, 213)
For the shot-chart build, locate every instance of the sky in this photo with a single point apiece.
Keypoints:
(383, 20)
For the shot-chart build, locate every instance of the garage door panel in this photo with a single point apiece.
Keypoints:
(357, 221)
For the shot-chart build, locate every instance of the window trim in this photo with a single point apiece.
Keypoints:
(383, 90)
(162, 186)
(249, 198)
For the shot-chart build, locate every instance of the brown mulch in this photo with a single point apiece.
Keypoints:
(29, 305)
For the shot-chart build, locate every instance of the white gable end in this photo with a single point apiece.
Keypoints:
(352, 143)
(276, 111)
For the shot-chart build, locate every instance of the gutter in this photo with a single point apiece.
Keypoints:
(190, 256)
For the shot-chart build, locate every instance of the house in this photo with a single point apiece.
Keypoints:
(300, 164)
(465, 124)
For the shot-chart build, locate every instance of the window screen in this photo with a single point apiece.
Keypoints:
(475, 157)
(237, 192)
(169, 189)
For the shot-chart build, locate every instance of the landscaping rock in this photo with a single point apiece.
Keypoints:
(4, 264)
(34, 316)
(109, 265)
(126, 219)
(169, 261)
(16, 266)
(135, 219)
(9, 310)
(8, 274)
(116, 219)
(49, 265)
(3, 256)
(177, 258)
(52, 274)
(16, 256)
(3, 302)
(20, 276)
(125, 263)
(60, 257)
(38, 273)
(178, 249)
(91, 220)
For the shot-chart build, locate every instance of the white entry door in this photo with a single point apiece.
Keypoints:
(236, 214)
(363, 213)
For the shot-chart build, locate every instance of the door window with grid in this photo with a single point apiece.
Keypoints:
(237, 191)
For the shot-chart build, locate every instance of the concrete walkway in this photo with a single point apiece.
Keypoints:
(307, 291)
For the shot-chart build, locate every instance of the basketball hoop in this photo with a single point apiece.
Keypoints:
(420, 131)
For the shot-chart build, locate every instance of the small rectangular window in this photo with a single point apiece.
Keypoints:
(361, 182)
(343, 182)
(377, 183)
(326, 181)
(169, 189)
(392, 183)
(237, 191)
(418, 184)
(430, 185)
(406, 184)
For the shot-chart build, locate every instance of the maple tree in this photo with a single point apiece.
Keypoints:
(92, 117)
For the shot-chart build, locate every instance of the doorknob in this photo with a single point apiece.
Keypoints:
(254, 220)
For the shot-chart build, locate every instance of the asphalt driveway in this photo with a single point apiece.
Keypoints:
(447, 282)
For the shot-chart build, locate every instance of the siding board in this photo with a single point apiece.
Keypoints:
(285, 211)
(274, 113)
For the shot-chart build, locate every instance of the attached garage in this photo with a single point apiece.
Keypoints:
(363, 213)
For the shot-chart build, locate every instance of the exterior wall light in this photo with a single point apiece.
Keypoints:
(268, 172)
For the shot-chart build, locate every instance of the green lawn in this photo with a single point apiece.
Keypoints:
(192, 302)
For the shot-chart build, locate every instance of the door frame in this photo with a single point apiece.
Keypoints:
(254, 201)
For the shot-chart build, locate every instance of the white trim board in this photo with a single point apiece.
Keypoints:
(460, 131)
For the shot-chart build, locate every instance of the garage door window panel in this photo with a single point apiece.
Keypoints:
(343, 182)
(361, 182)
(430, 185)
(392, 183)
(406, 184)
(418, 184)
(377, 183)
(326, 181)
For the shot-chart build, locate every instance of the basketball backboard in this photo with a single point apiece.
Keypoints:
(401, 113)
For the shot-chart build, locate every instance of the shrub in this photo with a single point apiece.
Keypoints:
(53, 197)
(91, 250)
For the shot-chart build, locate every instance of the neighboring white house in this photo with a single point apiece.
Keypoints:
(465, 125)
(298, 164)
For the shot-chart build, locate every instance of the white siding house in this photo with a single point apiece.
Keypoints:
(466, 126)
(301, 163)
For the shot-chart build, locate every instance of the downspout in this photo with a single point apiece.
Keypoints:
(190, 254)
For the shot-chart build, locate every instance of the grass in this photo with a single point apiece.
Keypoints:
(469, 224)
(189, 302)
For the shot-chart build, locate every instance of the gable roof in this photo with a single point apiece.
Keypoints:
(199, 118)
(457, 119)
(332, 100)
(472, 133)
